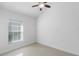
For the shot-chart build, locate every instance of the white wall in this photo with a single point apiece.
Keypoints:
(29, 30)
(58, 27)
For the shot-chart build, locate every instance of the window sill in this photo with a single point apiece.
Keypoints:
(15, 41)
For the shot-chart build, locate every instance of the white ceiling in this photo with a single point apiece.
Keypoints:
(22, 7)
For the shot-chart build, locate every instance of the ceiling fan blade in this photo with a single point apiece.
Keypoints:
(40, 9)
(34, 5)
(48, 6)
(44, 2)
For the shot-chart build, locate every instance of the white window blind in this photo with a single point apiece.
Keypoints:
(15, 29)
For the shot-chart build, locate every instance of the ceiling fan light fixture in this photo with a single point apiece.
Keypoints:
(41, 5)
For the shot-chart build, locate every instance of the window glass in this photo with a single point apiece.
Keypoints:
(15, 29)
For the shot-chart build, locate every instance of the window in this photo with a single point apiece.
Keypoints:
(15, 29)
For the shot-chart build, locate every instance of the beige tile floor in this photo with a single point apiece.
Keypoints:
(37, 50)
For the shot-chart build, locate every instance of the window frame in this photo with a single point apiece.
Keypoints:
(16, 28)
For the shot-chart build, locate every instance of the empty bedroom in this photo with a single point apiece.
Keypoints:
(39, 28)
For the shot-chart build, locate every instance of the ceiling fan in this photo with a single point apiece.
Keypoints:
(41, 5)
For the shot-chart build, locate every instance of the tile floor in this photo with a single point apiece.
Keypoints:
(37, 50)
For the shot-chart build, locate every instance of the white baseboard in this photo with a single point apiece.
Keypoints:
(16, 47)
(56, 48)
